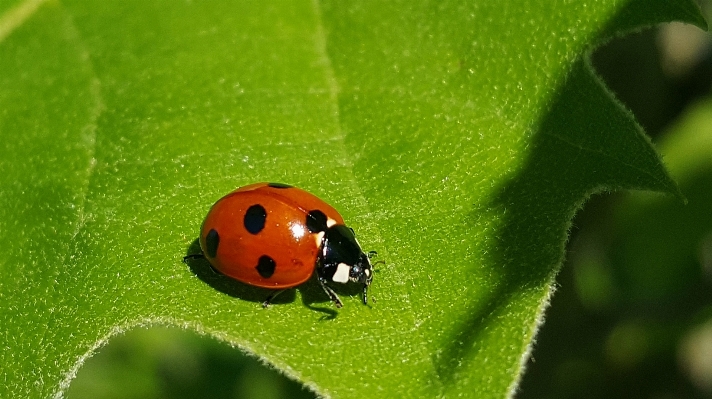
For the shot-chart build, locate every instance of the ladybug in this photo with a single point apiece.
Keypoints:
(277, 236)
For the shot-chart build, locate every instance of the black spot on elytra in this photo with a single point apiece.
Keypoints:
(278, 185)
(316, 221)
(212, 240)
(265, 266)
(255, 218)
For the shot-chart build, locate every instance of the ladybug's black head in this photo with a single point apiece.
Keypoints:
(342, 260)
(362, 271)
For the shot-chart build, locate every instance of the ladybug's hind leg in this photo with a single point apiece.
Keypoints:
(193, 256)
(332, 295)
(201, 256)
(271, 298)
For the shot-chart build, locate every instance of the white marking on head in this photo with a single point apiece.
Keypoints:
(330, 222)
(342, 273)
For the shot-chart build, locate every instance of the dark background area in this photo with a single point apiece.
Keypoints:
(632, 315)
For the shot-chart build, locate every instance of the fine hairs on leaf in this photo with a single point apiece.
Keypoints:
(456, 138)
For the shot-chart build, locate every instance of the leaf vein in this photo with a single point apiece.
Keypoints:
(16, 16)
(605, 155)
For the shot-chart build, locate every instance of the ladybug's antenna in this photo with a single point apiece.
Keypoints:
(380, 262)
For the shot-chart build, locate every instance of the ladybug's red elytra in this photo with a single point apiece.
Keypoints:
(276, 236)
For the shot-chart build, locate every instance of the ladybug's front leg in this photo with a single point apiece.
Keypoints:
(365, 294)
(330, 292)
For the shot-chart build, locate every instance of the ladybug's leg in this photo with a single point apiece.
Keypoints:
(200, 256)
(372, 254)
(271, 298)
(332, 295)
(365, 294)
(193, 256)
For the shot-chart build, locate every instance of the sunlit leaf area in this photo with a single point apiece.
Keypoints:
(534, 176)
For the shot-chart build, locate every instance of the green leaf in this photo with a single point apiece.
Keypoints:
(660, 247)
(457, 139)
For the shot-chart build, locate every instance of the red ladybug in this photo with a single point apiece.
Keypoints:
(273, 235)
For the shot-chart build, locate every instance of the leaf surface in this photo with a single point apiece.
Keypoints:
(456, 138)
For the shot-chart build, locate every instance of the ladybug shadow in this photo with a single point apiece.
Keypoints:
(311, 291)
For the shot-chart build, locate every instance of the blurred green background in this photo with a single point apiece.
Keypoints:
(632, 315)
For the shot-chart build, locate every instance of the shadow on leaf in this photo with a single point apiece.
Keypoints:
(575, 151)
(311, 292)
